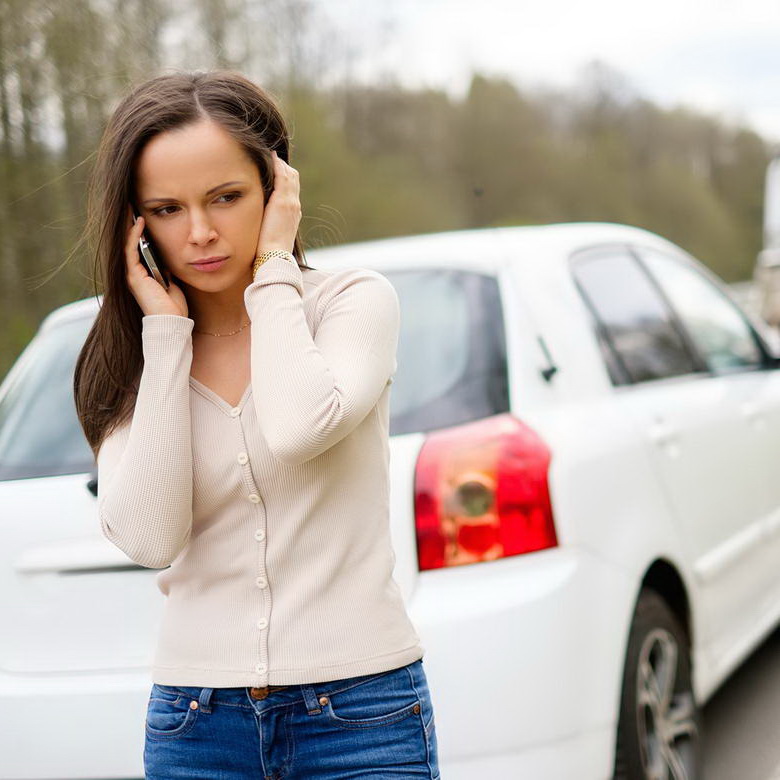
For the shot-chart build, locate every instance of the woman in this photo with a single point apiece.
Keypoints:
(239, 419)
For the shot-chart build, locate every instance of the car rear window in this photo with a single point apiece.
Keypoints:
(451, 370)
(40, 435)
(452, 365)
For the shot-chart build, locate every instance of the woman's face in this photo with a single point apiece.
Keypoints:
(200, 195)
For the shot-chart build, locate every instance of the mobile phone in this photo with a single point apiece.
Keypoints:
(148, 259)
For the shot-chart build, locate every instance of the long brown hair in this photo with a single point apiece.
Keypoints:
(110, 363)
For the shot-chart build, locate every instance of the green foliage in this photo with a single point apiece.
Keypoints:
(375, 160)
(350, 195)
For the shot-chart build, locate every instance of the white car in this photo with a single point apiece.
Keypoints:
(585, 509)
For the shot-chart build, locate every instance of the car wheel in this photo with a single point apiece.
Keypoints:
(659, 726)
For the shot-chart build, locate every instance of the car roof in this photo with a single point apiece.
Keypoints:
(528, 243)
(484, 249)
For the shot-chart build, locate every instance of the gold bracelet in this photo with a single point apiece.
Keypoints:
(263, 256)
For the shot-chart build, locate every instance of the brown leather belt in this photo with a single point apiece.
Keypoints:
(262, 693)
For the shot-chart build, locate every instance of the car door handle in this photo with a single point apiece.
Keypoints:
(753, 414)
(666, 437)
(663, 434)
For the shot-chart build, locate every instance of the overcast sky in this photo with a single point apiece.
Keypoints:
(721, 56)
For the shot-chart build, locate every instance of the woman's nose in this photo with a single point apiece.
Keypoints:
(201, 230)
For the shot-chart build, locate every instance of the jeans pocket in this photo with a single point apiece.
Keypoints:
(379, 701)
(169, 713)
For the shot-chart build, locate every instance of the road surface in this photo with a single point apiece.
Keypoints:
(742, 720)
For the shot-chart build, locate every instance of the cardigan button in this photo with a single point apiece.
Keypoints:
(261, 582)
(235, 411)
(259, 534)
(262, 623)
(254, 498)
(243, 458)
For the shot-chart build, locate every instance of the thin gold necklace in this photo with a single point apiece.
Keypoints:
(206, 333)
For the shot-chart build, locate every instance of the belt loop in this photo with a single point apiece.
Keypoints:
(205, 698)
(310, 697)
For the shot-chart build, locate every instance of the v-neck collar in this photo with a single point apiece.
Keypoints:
(218, 400)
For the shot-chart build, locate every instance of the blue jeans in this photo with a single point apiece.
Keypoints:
(376, 725)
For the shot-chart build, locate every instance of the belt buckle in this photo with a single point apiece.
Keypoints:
(262, 693)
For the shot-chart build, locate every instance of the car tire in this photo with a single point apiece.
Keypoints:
(659, 725)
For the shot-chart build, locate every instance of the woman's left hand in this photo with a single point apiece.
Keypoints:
(282, 213)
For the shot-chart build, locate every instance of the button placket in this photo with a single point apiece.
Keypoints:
(261, 581)
(261, 624)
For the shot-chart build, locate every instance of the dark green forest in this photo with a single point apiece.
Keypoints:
(375, 159)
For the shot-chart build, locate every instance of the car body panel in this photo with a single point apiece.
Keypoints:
(524, 654)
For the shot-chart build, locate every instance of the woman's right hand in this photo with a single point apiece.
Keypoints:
(152, 297)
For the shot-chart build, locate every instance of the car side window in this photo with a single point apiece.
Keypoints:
(720, 332)
(452, 363)
(40, 435)
(638, 335)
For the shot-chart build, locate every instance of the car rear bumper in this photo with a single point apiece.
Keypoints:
(580, 756)
(523, 657)
(524, 660)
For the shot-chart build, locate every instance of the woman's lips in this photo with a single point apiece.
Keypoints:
(213, 265)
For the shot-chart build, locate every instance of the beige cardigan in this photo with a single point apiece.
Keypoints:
(273, 516)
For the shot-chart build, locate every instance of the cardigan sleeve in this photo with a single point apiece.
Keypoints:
(145, 467)
(311, 391)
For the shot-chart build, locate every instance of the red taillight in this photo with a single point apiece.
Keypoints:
(481, 493)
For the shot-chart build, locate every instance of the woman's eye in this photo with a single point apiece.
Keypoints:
(230, 195)
(162, 211)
